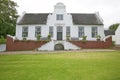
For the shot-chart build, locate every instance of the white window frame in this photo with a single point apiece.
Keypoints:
(67, 30)
(94, 32)
(37, 31)
(81, 32)
(51, 31)
(59, 17)
(25, 31)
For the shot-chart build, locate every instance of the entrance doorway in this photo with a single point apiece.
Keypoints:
(59, 32)
(59, 47)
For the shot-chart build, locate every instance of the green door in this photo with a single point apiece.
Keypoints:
(59, 33)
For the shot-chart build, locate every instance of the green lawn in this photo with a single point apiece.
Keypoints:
(62, 66)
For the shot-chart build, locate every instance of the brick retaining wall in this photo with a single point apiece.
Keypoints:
(17, 45)
(94, 44)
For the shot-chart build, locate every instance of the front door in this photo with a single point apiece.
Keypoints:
(59, 32)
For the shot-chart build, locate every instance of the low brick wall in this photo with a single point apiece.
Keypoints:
(17, 45)
(94, 44)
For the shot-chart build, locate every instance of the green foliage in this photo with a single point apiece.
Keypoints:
(61, 66)
(68, 37)
(49, 36)
(113, 43)
(38, 37)
(84, 39)
(8, 16)
(98, 37)
(113, 27)
(24, 38)
(2, 40)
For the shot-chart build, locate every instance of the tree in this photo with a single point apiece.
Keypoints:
(114, 27)
(8, 17)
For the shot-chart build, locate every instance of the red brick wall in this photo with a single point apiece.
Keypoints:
(32, 45)
(22, 45)
(94, 44)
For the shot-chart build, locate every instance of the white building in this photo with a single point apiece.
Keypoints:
(117, 36)
(59, 24)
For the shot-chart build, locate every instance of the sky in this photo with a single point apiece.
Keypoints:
(109, 10)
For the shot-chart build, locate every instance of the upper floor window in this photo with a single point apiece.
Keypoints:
(94, 32)
(59, 17)
(51, 31)
(25, 32)
(37, 31)
(68, 31)
(80, 32)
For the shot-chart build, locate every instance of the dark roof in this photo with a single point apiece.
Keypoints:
(86, 19)
(78, 19)
(33, 19)
(109, 32)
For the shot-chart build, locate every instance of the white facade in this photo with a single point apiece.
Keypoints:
(117, 36)
(51, 21)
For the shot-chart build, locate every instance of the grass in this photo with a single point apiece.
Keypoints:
(62, 66)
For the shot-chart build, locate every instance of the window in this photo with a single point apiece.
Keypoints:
(59, 29)
(94, 32)
(68, 31)
(80, 32)
(25, 32)
(59, 17)
(37, 31)
(51, 31)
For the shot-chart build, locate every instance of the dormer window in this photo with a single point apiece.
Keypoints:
(59, 17)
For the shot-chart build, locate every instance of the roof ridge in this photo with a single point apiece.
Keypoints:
(82, 13)
(37, 13)
(51, 13)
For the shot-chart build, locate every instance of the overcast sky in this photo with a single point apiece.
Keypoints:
(109, 10)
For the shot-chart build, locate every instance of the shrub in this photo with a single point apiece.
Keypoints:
(113, 43)
(49, 36)
(67, 37)
(2, 40)
(24, 38)
(98, 37)
(38, 37)
(84, 38)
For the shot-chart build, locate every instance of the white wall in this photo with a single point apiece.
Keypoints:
(117, 36)
(31, 31)
(74, 31)
(113, 38)
(87, 30)
(18, 32)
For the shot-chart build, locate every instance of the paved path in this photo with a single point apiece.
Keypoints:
(42, 52)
